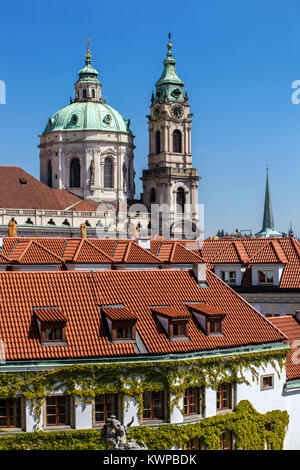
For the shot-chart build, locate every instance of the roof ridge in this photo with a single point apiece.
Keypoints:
(173, 251)
(276, 247)
(238, 244)
(77, 250)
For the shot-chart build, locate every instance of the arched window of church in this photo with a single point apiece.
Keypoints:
(84, 93)
(180, 199)
(157, 142)
(93, 93)
(152, 195)
(177, 141)
(75, 173)
(49, 174)
(108, 173)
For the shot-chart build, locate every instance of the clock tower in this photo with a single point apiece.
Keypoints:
(170, 179)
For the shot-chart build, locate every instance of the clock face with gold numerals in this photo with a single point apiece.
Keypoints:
(156, 112)
(177, 111)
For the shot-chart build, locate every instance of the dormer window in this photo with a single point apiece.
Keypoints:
(266, 277)
(173, 321)
(51, 324)
(53, 333)
(214, 326)
(178, 329)
(229, 277)
(209, 318)
(121, 323)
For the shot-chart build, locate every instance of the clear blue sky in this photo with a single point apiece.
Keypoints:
(238, 59)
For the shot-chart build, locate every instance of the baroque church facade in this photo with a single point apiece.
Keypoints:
(87, 155)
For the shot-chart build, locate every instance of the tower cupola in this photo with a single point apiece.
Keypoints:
(169, 86)
(88, 87)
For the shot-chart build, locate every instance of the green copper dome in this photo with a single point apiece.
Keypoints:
(88, 111)
(87, 115)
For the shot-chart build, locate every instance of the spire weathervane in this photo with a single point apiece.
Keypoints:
(169, 45)
(88, 52)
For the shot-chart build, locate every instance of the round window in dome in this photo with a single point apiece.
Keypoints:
(107, 119)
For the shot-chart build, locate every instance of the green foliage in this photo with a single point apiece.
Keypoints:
(131, 379)
(247, 425)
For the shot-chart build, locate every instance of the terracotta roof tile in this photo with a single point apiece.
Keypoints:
(21, 190)
(206, 309)
(31, 252)
(78, 296)
(88, 253)
(290, 327)
(119, 313)
(49, 314)
(171, 312)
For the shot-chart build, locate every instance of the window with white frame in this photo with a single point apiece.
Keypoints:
(229, 277)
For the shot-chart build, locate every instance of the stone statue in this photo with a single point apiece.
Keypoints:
(114, 433)
(82, 230)
(12, 229)
(92, 172)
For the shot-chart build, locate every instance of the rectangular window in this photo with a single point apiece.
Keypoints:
(224, 396)
(154, 405)
(267, 382)
(179, 329)
(194, 444)
(265, 277)
(53, 334)
(105, 406)
(193, 401)
(57, 410)
(229, 277)
(124, 332)
(226, 440)
(215, 326)
(10, 413)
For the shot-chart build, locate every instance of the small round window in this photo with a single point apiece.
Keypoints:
(107, 119)
(74, 119)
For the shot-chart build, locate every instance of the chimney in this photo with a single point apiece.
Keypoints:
(82, 230)
(199, 270)
(12, 229)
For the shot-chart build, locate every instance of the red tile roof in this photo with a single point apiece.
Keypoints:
(119, 313)
(21, 190)
(269, 253)
(176, 252)
(88, 253)
(171, 312)
(290, 327)
(79, 295)
(31, 252)
(232, 253)
(259, 250)
(206, 309)
(49, 314)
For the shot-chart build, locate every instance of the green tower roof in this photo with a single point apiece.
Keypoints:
(268, 229)
(87, 114)
(169, 86)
